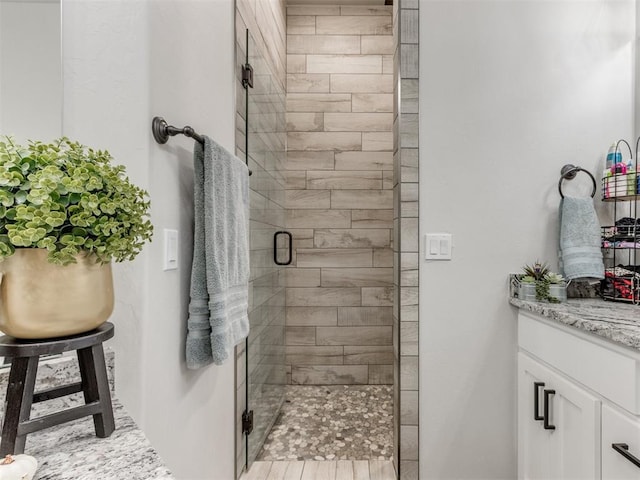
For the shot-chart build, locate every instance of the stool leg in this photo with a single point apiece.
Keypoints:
(95, 386)
(22, 381)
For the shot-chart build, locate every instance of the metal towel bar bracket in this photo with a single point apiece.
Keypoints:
(162, 131)
(569, 172)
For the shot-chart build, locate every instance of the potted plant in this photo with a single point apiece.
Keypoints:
(557, 287)
(527, 289)
(541, 284)
(65, 214)
(531, 285)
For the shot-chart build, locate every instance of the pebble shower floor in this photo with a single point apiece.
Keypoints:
(338, 422)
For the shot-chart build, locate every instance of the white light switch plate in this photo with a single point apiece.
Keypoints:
(437, 246)
(170, 249)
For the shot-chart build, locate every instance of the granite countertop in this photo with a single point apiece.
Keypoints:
(619, 322)
(72, 450)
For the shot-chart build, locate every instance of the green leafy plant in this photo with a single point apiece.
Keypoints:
(542, 291)
(69, 199)
(539, 274)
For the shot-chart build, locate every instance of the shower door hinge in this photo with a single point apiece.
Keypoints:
(247, 422)
(247, 76)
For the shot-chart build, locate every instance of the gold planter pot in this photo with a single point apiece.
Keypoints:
(42, 300)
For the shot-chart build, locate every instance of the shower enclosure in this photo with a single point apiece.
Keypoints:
(317, 128)
(260, 139)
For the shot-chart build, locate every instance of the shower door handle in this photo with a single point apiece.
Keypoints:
(275, 247)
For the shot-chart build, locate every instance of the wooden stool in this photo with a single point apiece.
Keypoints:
(22, 378)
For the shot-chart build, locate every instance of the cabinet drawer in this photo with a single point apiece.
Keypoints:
(593, 365)
(619, 428)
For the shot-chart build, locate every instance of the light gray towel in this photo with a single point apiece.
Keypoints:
(580, 240)
(218, 318)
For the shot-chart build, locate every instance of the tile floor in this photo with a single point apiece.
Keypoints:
(338, 422)
(323, 470)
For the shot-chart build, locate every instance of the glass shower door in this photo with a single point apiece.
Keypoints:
(264, 126)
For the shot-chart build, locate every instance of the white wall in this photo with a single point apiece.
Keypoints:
(124, 63)
(509, 92)
(30, 70)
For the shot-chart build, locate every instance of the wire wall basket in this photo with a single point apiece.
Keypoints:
(621, 241)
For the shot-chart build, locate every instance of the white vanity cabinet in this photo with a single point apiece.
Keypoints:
(578, 395)
(559, 425)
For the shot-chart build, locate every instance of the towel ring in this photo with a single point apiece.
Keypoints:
(569, 172)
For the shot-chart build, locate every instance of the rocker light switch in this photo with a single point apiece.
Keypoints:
(438, 246)
(434, 246)
(170, 249)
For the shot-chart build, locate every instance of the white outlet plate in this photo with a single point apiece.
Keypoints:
(170, 249)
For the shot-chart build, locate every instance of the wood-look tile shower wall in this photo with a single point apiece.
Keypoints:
(406, 245)
(339, 197)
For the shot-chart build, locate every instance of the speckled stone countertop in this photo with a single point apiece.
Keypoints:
(72, 450)
(619, 322)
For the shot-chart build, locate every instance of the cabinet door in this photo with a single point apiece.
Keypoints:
(534, 442)
(570, 450)
(576, 439)
(619, 428)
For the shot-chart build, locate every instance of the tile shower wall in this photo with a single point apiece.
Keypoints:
(339, 194)
(396, 243)
(406, 242)
(264, 359)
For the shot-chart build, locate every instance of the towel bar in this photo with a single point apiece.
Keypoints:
(569, 172)
(162, 131)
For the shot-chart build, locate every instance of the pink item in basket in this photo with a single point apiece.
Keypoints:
(619, 168)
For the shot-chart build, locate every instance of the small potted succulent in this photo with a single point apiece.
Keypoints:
(527, 288)
(538, 283)
(65, 214)
(557, 287)
(530, 281)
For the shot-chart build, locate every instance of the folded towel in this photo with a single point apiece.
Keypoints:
(580, 242)
(218, 317)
